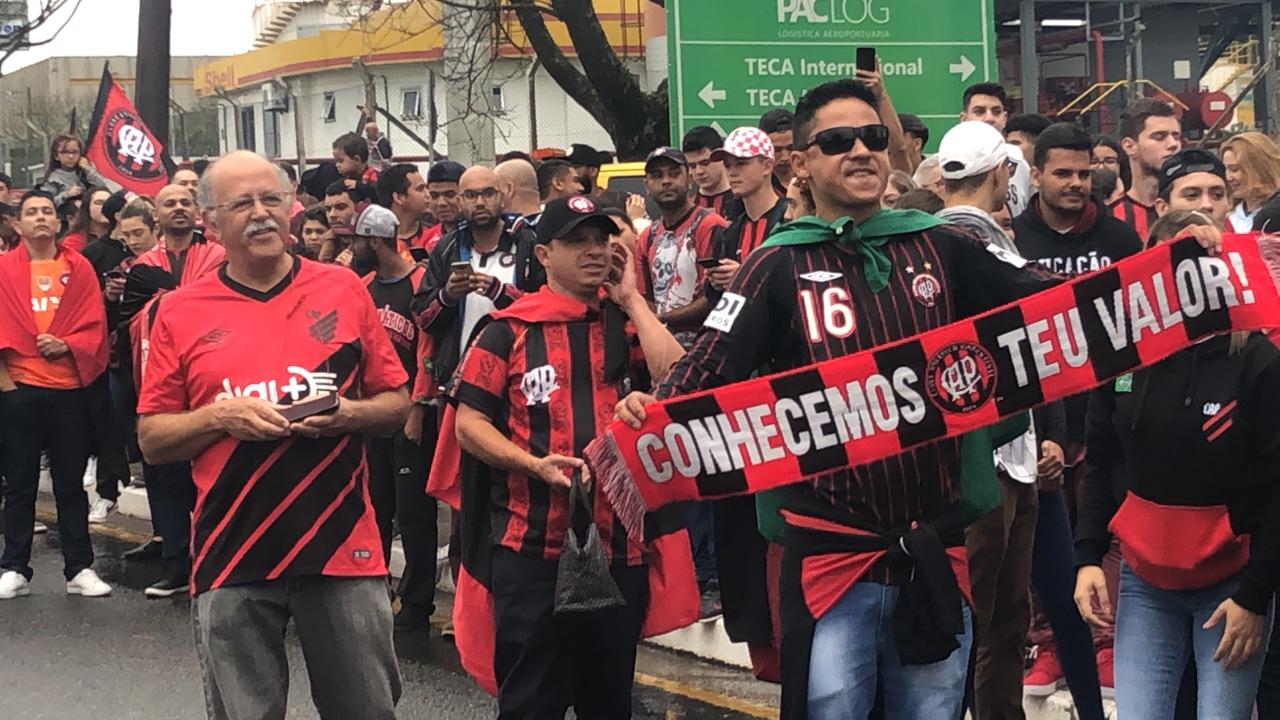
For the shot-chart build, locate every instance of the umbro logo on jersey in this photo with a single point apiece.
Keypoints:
(821, 276)
(323, 329)
(302, 383)
(214, 336)
(538, 384)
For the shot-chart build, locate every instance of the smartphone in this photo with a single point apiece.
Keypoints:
(114, 275)
(319, 405)
(708, 263)
(866, 59)
(460, 268)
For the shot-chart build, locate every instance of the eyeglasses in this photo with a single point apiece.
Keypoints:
(840, 140)
(1106, 162)
(488, 193)
(245, 203)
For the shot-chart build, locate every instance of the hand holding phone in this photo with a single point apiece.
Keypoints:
(865, 59)
(708, 263)
(460, 268)
(318, 405)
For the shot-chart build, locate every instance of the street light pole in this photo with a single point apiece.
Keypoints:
(151, 94)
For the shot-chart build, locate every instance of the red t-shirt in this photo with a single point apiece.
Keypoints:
(292, 507)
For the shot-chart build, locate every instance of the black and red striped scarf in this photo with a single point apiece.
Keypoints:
(741, 439)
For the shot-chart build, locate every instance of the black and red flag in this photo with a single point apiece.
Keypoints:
(121, 146)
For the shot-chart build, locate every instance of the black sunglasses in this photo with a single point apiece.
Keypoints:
(840, 140)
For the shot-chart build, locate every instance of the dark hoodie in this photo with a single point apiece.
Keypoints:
(1183, 465)
(1097, 240)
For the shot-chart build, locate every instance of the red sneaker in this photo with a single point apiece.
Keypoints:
(1041, 679)
(1107, 672)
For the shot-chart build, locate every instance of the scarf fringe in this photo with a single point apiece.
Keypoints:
(611, 473)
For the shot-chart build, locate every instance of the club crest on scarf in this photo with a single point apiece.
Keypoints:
(961, 377)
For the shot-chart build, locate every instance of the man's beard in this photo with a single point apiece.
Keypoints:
(364, 261)
(486, 223)
(588, 184)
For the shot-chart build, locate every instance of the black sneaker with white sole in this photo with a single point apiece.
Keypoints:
(176, 580)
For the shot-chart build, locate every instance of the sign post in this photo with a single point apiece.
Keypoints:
(732, 62)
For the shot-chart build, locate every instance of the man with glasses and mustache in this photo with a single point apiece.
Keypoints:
(266, 375)
(855, 277)
(484, 265)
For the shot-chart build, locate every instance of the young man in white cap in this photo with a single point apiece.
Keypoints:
(748, 158)
(976, 163)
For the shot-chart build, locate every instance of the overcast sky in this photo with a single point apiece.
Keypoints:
(110, 27)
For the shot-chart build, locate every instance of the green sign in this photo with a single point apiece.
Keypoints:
(732, 62)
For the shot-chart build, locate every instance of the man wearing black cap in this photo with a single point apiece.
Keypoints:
(586, 162)
(442, 188)
(777, 124)
(670, 249)
(1194, 179)
(551, 355)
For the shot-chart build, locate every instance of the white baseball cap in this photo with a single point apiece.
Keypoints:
(376, 221)
(971, 148)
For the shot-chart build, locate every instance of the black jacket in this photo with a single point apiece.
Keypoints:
(1197, 430)
(1098, 240)
(441, 318)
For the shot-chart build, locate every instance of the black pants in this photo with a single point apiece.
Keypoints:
(171, 495)
(39, 420)
(398, 489)
(545, 663)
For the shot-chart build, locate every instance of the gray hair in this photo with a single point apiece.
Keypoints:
(204, 191)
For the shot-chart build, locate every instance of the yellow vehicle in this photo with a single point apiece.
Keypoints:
(627, 177)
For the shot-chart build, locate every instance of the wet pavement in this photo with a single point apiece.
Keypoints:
(127, 656)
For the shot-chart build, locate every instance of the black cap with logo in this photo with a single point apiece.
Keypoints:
(1187, 162)
(560, 217)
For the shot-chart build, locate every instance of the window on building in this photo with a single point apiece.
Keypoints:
(271, 134)
(497, 103)
(248, 129)
(330, 113)
(411, 103)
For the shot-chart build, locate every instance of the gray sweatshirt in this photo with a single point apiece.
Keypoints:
(981, 224)
(61, 180)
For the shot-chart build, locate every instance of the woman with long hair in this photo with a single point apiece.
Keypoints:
(89, 224)
(69, 174)
(1109, 154)
(1183, 462)
(1253, 175)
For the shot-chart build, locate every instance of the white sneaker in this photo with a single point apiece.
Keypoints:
(87, 583)
(12, 585)
(91, 473)
(101, 510)
(39, 528)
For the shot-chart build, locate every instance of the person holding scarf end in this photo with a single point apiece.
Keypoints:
(538, 383)
(1183, 466)
(874, 580)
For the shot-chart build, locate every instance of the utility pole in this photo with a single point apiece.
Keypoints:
(151, 93)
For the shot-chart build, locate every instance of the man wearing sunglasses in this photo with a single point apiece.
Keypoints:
(855, 277)
(1194, 179)
(485, 264)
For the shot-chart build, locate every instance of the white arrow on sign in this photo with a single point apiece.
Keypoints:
(964, 68)
(718, 128)
(710, 94)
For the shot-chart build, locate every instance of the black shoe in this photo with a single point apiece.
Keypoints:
(147, 551)
(176, 580)
(711, 609)
(413, 617)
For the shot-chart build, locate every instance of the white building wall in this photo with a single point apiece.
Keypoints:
(560, 120)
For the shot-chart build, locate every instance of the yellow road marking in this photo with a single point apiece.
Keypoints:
(674, 687)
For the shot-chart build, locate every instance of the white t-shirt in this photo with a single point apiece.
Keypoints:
(499, 264)
(1019, 182)
(1241, 219)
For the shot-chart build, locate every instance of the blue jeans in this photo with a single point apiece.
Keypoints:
(1155, 631)
(854, 642)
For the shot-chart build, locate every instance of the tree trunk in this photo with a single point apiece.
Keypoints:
(151, 92)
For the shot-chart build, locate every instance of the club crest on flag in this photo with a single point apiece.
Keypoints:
(121, 146)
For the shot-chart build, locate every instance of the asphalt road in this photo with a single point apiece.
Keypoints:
(127, 657)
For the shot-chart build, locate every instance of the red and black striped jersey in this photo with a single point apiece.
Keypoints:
(1135, 215)
(791, 306)
(723, 204)
(297, 506)
(394, 299)
(544, 385)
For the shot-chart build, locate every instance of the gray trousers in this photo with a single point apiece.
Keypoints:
(344, 625)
